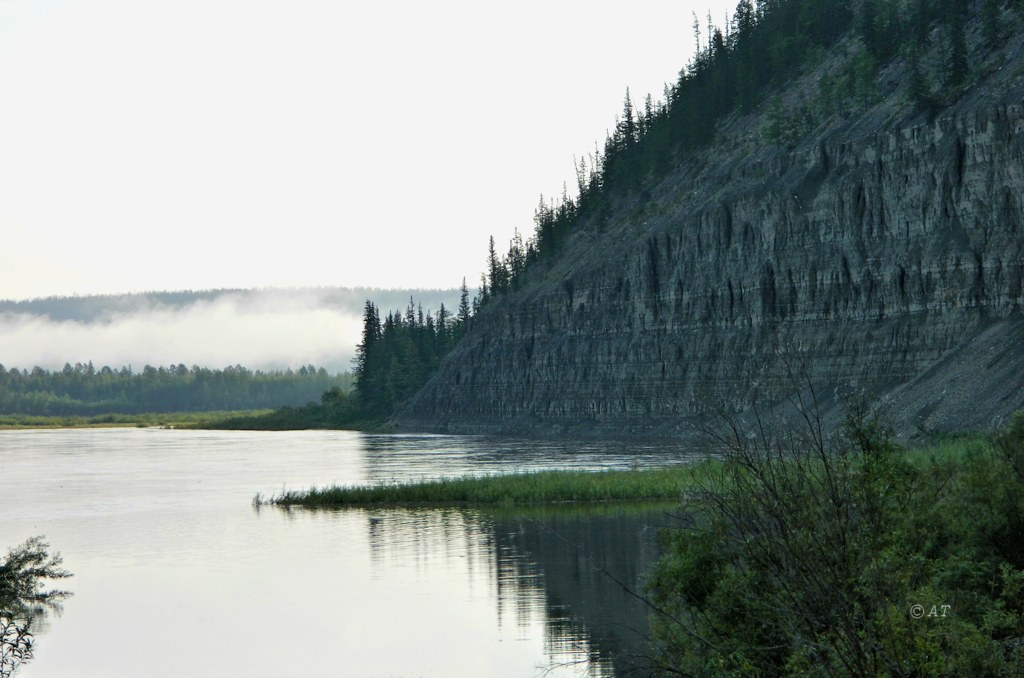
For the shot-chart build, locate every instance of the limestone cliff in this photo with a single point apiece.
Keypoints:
(883, 252)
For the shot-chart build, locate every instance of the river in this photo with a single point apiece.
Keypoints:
(176, 573)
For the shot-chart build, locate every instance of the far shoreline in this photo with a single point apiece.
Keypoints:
(175, 420)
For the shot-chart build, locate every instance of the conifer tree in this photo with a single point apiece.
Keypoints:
(442, 325)
(464, 307)
(516, 260)
(366, 352)
(496, 273)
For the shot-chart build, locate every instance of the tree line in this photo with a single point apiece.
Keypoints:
(83, 389)
(395, 357)
(398, 353)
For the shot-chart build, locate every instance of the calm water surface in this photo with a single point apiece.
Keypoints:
(177, 574)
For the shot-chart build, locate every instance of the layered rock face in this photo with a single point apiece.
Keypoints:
(874, 257)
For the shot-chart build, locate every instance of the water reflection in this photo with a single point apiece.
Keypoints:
(562, 571)
(158, 528)
(401, 458)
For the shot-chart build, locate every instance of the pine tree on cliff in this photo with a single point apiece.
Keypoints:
(464, 307)
(497, 275)
(443, 331)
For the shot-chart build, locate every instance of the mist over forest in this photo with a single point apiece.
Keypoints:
(262, 329)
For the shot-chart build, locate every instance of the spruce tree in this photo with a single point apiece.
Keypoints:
(366, 355)
(464, 307)
(496, 273)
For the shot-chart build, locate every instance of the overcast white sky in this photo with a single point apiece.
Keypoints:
(187, 144)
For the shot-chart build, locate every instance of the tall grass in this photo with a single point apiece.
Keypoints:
(548, 487)
(662, 484)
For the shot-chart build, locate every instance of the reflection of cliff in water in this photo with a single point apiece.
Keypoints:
(585, 560)
(412, 457)
(558, 567)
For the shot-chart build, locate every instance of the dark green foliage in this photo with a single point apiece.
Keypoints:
(464, 308)
(22, 598)
(337, 409)
(785, 126)
(86, 391)
(522, 488)
(848, 559)
(397, 355)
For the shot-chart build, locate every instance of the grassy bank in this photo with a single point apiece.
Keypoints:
(547, 487)
(165, 420)
(665, 484)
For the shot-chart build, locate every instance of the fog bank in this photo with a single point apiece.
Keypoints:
(275, 332)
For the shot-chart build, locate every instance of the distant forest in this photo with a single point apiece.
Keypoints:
(84, 390)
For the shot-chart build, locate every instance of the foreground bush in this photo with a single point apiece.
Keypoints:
(22, 598)
(848, 558)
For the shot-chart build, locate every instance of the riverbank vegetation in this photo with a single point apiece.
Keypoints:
(144, 420)
(83, 390)
(664, 484)
(802, 556)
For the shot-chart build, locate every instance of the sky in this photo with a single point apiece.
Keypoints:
(198, 144)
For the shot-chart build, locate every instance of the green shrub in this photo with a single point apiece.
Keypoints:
(850, 558)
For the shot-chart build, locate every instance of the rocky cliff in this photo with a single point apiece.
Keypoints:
(882, 253)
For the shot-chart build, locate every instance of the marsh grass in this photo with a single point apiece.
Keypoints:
(544, 487)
